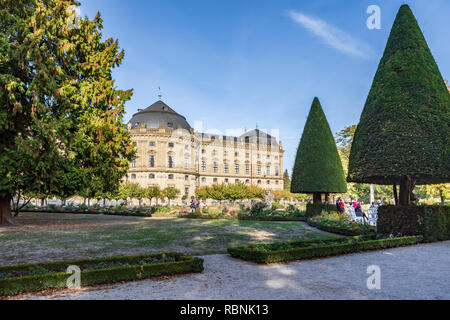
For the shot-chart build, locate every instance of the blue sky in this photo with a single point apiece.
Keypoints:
(232, 64)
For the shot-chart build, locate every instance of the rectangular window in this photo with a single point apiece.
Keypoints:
(236, 168)
(259, 169)
(151, 161)
(171, 145)
(134, 164)
(215, 167)
(152, 144)
(186, 163)
(277, 170)
(247, 155)
(203, 166)
(268, 170)
(171, 162)
(226, 168)
(247, 169)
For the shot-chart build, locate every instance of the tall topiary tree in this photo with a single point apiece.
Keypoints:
(403, 136)
(318, 168)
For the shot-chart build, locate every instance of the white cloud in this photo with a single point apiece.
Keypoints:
(332, 35)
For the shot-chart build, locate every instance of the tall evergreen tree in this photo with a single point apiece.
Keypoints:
(286, 180)
(318, 168)
(403, 136)
(61, 115)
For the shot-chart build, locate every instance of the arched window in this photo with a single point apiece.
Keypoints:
(171, 177)
(151, 176)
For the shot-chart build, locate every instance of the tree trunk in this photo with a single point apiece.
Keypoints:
(441, 194)
(6, 217)
(327, 198)
(395, 194)
(406, 195)
(317, 198)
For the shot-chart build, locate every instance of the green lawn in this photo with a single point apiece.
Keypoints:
(47, 237)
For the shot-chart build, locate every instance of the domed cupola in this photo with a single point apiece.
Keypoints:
(157, 115)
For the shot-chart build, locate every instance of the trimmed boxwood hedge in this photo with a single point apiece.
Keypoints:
(243, 217)
(106, 213)
(311, 251)
(316, 209)
(57, 280)
(432, 222)
(337, 230)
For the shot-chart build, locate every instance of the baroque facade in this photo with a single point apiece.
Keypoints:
(171, 154)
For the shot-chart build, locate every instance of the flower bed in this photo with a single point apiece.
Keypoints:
(340, 225)
(243, 213)
(82, 209)
(42, 276)
(299, 250)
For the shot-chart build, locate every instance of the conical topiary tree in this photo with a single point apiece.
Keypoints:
(403, 135)
(318, 168)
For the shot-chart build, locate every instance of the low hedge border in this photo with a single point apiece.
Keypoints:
(106, 213)
(337, 230)
(292, 219)
(35, 283)
(355, 244)
(316, 209)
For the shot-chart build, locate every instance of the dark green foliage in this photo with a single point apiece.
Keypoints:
(404, 128)
(286, 181)
(130, 268)
(317, 248)
(318, 167)
(433, 222)
(313, 209)
(338, 230)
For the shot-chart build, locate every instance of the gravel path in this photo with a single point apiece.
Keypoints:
(416, 272)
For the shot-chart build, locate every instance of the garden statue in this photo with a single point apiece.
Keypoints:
(268, 200)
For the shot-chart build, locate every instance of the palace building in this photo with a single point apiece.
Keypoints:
(171, 154)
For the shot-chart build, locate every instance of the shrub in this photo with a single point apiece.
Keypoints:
(317, 209)
(433, 222)
(341, 226)
(299, 250)
(52, 275)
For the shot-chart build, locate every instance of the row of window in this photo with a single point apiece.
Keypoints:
(216, 180)
(236, 154)
(226, 167)
(225, 153)
(151, 176)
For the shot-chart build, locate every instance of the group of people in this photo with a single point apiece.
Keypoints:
(195, 205)
(340, 206)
